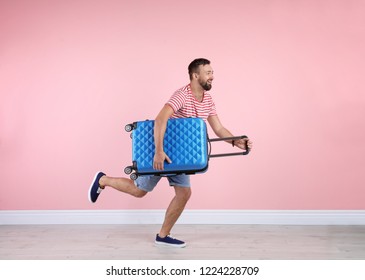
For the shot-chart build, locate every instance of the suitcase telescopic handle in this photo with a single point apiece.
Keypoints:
(228, 139)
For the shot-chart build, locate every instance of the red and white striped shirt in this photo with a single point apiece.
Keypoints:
(185, 105)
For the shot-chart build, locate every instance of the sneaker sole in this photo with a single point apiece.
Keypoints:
(91, 186)
(164, 244)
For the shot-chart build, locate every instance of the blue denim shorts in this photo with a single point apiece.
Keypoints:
(148, 183)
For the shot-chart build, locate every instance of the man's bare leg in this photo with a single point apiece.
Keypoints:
(176, 207)
(121, 184)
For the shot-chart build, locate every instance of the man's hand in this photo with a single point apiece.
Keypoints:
(243, 143)
(159, 160)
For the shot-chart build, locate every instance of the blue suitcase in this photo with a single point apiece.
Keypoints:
(186, 143)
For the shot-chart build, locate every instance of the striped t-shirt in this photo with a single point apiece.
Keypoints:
(185, 105)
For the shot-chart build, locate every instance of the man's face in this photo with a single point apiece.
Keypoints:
(205, 76)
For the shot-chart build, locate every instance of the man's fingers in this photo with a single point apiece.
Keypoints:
(160, 165)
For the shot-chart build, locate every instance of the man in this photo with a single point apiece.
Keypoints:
(192, 100)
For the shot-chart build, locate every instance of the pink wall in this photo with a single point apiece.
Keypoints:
(287, 73)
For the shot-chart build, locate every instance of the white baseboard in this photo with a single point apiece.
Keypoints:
(252, 217)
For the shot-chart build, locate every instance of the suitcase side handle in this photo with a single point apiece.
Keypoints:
(228, 139)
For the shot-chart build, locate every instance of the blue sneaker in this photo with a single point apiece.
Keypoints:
(169, 241)
(95, 188)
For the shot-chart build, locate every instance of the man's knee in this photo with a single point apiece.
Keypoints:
(139, 193)
(183, 193)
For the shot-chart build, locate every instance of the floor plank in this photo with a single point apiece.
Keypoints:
(134, 242)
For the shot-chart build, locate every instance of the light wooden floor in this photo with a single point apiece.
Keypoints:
(132, 242)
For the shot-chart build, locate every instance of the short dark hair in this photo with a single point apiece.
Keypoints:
(194, 65)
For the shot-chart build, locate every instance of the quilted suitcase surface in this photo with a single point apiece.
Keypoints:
(185, 143)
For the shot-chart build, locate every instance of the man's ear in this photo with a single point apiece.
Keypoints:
(195, 75)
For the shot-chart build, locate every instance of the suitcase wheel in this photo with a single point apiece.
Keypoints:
(128, 170)
(128, 127)
(134, 176)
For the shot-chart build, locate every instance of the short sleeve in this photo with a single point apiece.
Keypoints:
(177, 100)
(213, 110)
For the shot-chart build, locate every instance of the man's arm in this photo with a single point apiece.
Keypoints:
(159, 133)
(222, 132)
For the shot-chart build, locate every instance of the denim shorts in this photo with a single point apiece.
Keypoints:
(148, 183)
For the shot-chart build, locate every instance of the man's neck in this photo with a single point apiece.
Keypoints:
(197, 91)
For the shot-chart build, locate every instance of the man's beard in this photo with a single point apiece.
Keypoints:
(206, 85)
